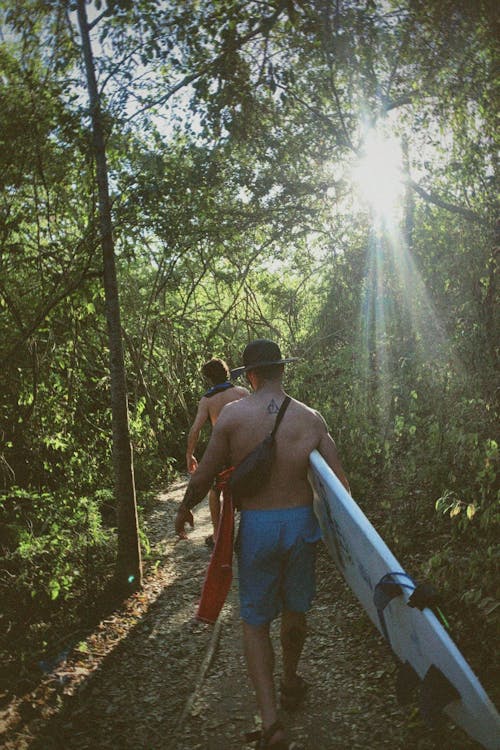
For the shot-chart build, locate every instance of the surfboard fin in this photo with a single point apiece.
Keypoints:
(384, 592)
(436, 693)
(407, 680)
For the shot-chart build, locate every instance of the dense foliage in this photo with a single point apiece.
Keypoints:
(233, 129)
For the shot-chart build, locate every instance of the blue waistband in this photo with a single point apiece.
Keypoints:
(282, 514)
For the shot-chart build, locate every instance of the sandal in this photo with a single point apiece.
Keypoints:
(292, 697)
(263, 737)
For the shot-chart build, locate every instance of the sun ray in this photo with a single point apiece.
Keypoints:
(399, 326)
(398, 322)
(377, 173)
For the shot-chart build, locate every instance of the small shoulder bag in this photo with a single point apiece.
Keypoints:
(253, 472)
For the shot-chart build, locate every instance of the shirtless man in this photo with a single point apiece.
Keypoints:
(222, 391)
(278, 528)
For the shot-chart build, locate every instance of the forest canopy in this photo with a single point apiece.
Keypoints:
(319, 172)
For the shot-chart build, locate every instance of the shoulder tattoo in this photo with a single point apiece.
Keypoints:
(272, 407)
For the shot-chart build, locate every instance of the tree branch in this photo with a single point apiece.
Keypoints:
(467, 213)
(264, 27)
(341, 137)
(93, 23)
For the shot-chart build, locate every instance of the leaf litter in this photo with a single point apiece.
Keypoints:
(135, 682)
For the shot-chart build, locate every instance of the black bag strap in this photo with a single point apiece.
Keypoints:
(280, 415)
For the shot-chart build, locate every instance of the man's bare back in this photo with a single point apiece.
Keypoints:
(216, 403)
(209, 408)
(245, 423)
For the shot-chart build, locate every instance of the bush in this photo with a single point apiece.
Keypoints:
(56, 555)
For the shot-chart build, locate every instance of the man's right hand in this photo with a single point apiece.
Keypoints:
(192, 463)
(182, 517)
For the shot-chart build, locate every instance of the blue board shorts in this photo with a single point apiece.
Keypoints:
(276, 552)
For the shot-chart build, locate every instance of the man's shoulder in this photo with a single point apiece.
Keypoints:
(309, 415)
(235, 408)
(227, 396)
(237, 404)
(241, 390)
(304, 407)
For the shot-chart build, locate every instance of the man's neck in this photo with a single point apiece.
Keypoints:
(270, 388)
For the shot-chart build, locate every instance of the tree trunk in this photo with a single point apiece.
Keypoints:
(128, 574)
(409, 218)
(143, 389)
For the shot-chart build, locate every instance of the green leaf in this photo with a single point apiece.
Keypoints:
(471, 511)
(54, 588)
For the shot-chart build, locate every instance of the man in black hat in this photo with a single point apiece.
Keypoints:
(278, 528)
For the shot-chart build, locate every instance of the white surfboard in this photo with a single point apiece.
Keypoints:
(415, 635)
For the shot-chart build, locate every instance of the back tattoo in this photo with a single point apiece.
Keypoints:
(272, 407)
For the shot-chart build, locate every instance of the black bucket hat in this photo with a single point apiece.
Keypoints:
(261, 353)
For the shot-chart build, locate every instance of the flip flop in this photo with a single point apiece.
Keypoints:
(263, 737)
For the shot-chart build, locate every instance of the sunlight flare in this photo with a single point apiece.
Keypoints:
(399, 326)
(377, 173)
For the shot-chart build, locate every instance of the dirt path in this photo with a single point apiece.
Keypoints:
(149, 678)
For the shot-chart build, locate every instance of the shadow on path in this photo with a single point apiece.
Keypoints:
(152, 679)
(351, 704)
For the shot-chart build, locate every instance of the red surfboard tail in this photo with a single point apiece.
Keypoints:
(219, 574)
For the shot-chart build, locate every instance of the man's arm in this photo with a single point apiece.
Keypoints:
(212, 462)
(194, 433)
(328, 450)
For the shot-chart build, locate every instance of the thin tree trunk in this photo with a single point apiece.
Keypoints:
(148, 398)
(128, 572)
(409, 218)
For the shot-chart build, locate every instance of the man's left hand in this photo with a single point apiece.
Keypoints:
(183, 516)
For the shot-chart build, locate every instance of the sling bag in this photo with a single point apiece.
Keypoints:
(255, 469)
